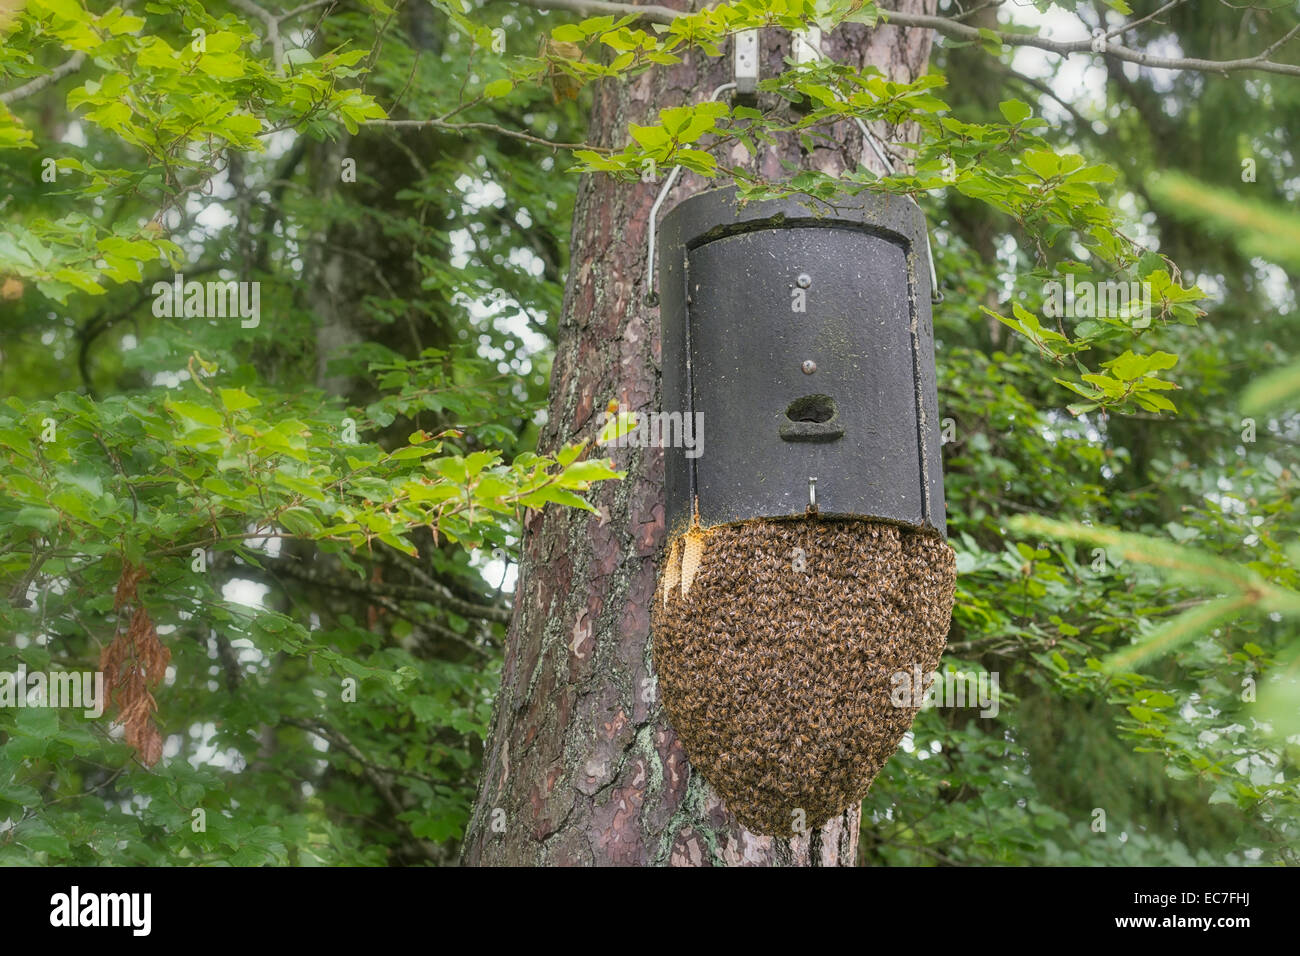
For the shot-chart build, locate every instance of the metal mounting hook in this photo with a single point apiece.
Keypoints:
(652, 296)
(745, 64)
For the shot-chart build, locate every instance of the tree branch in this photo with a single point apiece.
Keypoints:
(654, 13)
(948, 27)
(70, 66)
(491, 127)
(272, 28)
(1082, 122)
(100, 322)
(1125, 27)
(322, 729)
(967, 14)
(1269, 52)
(432, 593)
(304, 8)
(397, 559)
(369, 768)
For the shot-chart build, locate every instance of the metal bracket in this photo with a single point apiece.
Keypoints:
(805, 50)
(746, 65)
(807, 45)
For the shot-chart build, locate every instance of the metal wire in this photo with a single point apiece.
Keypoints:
(936, 294)
(652, 297)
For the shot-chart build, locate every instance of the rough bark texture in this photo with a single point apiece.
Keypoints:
(582, 766)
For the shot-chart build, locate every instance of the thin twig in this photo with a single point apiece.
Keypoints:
(491, 127)
(303, 9)
(1125, 27)
(272, 28)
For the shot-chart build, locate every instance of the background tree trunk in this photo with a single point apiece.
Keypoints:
(581, 766)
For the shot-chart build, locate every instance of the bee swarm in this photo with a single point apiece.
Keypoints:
(775, 646)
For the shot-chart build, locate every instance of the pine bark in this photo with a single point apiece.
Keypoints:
(581, 766)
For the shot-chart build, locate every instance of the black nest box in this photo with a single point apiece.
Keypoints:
(802, 336)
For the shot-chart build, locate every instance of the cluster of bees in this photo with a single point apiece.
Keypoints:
(776, 673)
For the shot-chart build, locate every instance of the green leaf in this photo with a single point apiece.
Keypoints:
(201, 414)
(36, 516)
(568, 33)
(156, 54)
(301, 521)
(1015, 111)
(1044, 163)
(236, 399)
(300, 486)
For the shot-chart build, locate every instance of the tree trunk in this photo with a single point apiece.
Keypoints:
(581, 765)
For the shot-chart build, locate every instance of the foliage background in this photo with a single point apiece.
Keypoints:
(421, 300)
